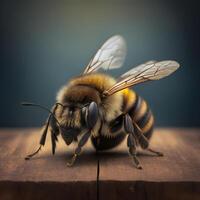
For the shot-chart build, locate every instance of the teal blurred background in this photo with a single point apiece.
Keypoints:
(44, 43)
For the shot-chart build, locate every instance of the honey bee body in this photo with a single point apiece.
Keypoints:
(85, 89)
(95, 105)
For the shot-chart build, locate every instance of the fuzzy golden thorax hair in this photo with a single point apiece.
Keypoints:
(88, 88)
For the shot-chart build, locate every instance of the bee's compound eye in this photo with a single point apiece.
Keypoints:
(91, 115)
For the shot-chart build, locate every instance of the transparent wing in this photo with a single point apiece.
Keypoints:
(139, 66)
(151, 70)
(111, 55)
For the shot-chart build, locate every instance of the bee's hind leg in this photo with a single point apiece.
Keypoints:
(155, 152)
(91, 117)
(143, 141)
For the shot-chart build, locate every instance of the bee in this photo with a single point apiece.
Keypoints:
(95, 105)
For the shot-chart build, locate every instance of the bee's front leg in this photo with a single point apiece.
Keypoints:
(78, 149)
(51, 121)
(91, 116)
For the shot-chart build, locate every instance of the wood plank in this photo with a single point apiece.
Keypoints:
(181, 161)
(19, 177)
(14, 145)
(174, 176)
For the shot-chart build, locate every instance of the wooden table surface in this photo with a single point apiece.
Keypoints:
(174, 176)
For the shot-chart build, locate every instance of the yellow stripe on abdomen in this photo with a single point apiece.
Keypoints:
(129, 97)
(148, 125)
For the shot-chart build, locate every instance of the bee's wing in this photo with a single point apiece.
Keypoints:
(139, 66)
(111, 55)
(151, 70)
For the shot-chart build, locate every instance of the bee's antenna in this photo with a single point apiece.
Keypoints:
(42, 107)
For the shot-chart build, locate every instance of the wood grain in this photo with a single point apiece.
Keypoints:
(174, 176)
(181, 161)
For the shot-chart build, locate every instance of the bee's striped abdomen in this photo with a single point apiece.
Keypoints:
(139, 112)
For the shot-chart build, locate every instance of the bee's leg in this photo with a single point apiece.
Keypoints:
(158, 153)
(124, 123)
(132, 150)
(131, 140)
(91, 115)
(42, 140)
(28, 157)
(78, 149)
(143, 141)
(54, 139)
(54, 129)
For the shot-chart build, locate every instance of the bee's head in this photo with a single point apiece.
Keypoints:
(77, 117)
(73, 119)
(80, 102)
(74, 98)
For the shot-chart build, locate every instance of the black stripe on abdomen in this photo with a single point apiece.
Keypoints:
(106, 143)
(144, 119)
(135, 107)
